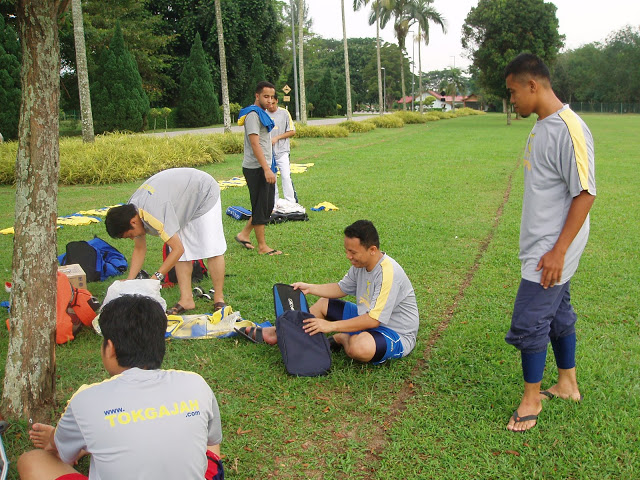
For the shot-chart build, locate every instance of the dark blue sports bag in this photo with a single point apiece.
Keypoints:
(303, 355)
(98, 259)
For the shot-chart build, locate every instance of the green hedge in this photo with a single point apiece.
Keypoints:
(115, 158)
(357, 127)
(387, 121)
(324, 131)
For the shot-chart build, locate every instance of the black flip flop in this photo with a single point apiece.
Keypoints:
(244, 243)
(254, 335)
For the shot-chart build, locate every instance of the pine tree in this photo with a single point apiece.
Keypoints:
(119, 102)
(325, 96)
(10, 92)
(198, 104)
(256, 75)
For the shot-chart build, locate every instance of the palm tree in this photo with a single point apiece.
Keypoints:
(303, 95)
(223, 70)
(454, 83)
(423, 13)
(81, 70)
(400, 11)
(374, 17)
(346, 63)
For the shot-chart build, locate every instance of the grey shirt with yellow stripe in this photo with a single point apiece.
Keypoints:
(558, 165)
(386, 294)
(170, 199)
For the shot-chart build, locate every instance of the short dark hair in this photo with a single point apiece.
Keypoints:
(264, 84)
(527, 63)
(365, 232)
(118, 219)
(136, 325)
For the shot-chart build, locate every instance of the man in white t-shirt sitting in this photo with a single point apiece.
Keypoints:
(143, 422)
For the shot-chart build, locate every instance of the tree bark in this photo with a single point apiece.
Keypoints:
(380, 99)
(507, 108)
(303, 95)
(223, 70)
(82, 72)
(404, 95)
(419, 71)
(346, 64)
(29, 382)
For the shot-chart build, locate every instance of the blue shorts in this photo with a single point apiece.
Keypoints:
(388, 344)
(540, 315)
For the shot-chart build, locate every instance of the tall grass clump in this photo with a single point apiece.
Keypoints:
(8, 152)
(387, 121)
(411, 117)
(116, 158)
(229, 143)
(357, 127)
(465, 111)
(323, 131)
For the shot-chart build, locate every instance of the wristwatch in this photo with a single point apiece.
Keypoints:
(159, 276)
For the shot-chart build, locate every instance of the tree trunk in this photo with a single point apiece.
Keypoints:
(29, 382)
(346, 64)
(419, 71)
(381, 100)
(223, 70)
(82, 72)
(507, 108)
(303, 95)
(404, 94)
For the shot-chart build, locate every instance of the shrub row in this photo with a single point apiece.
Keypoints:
(357, 127)
(387, 121)
(321, 131)
(115, 158)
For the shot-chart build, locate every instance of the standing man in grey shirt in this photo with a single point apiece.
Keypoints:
(282, 131)
(256, 167)
(559, 190)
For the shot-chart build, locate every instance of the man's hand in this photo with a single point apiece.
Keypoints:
(303, 287)
(269, 176)
(317, 325)
(551, 264)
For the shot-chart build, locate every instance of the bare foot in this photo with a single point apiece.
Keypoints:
(40, 434)
(187, 303)
(569, 393)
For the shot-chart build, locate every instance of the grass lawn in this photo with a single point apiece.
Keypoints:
(446, 199)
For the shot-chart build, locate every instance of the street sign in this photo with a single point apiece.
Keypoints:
(286, 98)
(286, 89)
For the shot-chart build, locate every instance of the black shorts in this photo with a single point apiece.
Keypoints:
(261, 193)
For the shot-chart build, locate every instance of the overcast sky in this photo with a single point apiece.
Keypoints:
(581, 21)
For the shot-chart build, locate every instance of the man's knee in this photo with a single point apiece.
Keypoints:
(361, 347)
(41, 465)
(319, 309)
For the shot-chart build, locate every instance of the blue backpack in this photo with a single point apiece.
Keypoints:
(98, 259)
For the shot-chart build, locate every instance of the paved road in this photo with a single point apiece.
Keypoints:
(235, 128)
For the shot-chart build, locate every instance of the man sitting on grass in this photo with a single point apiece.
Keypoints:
(181, 206)
(384, 322)
(143, 422)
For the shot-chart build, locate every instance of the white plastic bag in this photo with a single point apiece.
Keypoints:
(147, 287)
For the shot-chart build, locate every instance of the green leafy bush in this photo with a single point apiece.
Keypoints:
(117, 157)
(357, 127)
(321, 131)
(411, 117)
(465, 111)
(229, 143)
(387, 121)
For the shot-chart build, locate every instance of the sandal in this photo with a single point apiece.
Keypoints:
(177, 309)
(254, 335)
(219, 306)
